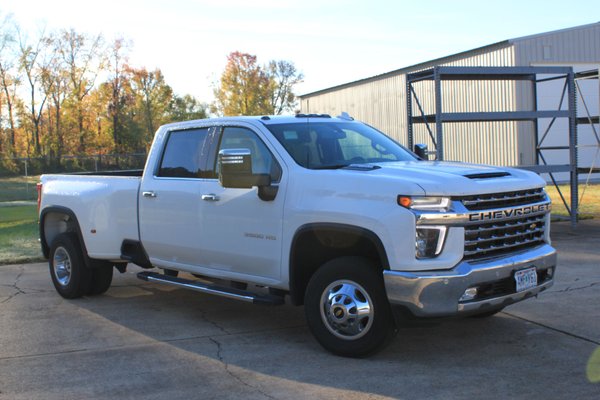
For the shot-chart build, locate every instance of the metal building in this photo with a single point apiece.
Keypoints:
(381, 100)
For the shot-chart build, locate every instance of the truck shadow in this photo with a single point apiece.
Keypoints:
(270, 350)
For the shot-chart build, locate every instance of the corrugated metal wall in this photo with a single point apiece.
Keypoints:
(381, 101)
(569, 47)
(576, 45)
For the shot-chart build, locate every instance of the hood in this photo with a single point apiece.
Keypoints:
(438, 178)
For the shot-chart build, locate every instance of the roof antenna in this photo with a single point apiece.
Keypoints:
(344, 115)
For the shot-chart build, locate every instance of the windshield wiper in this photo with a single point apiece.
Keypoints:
(333, 166)
(358, 167)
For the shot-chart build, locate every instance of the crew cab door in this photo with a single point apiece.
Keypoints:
(170, 204)
(188, 221)
(243, 232)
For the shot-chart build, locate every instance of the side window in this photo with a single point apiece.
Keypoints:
(263, 161)
(185, 154)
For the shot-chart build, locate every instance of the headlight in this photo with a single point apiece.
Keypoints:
(429, 241)
(420, 203)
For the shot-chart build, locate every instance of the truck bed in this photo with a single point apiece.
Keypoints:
(127, 172)
(104, 204)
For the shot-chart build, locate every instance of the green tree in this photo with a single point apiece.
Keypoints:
(187, 107)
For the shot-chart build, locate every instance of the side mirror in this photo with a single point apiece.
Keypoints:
(235, 170)
(421, 151)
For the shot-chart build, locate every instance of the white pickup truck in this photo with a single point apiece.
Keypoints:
(308, 209)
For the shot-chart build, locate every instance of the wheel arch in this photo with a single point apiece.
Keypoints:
(55, 220)
(316, 243)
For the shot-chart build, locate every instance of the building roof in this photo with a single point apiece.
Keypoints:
(445, 59)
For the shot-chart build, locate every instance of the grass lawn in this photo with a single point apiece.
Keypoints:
(18, 188)
(19, 235)
(589, 205)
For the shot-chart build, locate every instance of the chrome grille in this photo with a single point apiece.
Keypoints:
(493, 238)
(502, 200)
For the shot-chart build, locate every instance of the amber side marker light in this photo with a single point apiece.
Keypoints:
(38, 187)
(404, 201)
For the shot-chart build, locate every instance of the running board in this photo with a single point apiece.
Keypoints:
(223, 291)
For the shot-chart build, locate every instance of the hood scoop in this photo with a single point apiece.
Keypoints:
(487, 175)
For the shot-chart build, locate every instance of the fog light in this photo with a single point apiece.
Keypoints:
(429, 241)
(550, 273)
(469, 294)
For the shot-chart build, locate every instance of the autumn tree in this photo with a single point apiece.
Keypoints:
(83, 60)
(243, 88)
(9, 81)
(55, 83)
(52, 105)
(154, 99)
(246, 88)
(33, 60)
(99, 99)
(118, 82)
(283, 76)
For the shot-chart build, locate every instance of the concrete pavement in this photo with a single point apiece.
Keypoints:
(148, 341)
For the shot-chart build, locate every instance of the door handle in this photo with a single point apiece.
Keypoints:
(210, 197)
(149, 194)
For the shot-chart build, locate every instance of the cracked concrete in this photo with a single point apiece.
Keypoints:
(146, 341)
(232, 374)
(15, 286)
(572, 289)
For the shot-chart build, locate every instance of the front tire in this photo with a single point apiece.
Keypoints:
(70, 276)
(347, 309)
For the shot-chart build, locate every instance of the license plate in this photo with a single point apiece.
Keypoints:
(526, 279)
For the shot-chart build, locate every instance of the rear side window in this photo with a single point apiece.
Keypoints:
(185, 154)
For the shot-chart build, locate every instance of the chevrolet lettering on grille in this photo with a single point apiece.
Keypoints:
(509, 213)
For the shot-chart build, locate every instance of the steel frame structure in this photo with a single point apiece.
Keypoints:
(440, 73)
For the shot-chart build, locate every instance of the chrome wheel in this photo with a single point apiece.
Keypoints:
(62, 266)
(347, 309)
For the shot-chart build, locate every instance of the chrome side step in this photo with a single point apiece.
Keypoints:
(223, 291)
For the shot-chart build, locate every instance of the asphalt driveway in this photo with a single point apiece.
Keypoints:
(147, 341)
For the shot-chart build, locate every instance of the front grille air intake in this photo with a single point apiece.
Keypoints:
(495, 237)
(503, 200)
(498, 237)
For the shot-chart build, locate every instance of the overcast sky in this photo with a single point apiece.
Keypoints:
(330, 41)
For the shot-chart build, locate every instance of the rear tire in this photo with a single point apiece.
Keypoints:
(101, 279)
(70, 276)
(347, 309)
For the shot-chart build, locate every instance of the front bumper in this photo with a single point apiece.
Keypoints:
(439, 293)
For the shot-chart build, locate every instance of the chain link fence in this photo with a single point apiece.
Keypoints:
(18, 176)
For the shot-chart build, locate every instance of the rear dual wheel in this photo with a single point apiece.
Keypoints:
(70, 276)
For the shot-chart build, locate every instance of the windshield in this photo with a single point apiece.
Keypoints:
(323, 145)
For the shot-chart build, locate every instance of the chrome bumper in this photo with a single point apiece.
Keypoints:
(439, 293)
